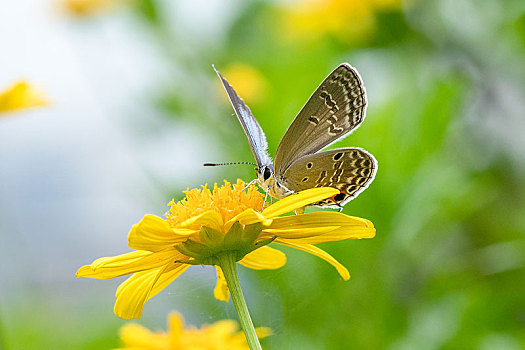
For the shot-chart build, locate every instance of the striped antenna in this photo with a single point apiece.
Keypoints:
(230, 163)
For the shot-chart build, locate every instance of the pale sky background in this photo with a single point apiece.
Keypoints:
(75, 176)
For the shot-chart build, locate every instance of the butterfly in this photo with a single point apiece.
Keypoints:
(335, 109)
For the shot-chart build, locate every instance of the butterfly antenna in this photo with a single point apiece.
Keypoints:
(230, 163)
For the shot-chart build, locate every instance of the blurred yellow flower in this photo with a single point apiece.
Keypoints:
(21, 96)
(221, 335)
(348, 20)
(207, 223)
(248, 81)
(86, 8)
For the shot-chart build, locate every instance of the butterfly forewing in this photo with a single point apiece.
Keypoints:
(350, 170)
(251, 127)
(336, 108)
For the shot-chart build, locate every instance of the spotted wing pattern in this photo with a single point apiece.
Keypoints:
(350, 170)
(335, 109)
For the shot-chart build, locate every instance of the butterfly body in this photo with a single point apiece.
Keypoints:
(335, 109)
(267, 181)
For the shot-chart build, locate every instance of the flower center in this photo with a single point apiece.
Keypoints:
(227, 200)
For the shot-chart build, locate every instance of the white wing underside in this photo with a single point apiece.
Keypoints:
(251, 127)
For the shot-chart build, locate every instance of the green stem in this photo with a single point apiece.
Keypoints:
(229, 268)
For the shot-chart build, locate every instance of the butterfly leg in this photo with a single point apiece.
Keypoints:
(340, 209)
(265, 198)
(248, 185)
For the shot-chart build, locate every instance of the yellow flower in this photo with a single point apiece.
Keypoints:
(226, 219)
(248, 81)
(20, 96)
(221, 335)
(86, 8)
(348, 20)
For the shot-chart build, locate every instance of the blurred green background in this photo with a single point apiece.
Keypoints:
(136, 109)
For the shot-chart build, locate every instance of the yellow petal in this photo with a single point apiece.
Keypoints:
(88, 271)
(221, 291)
(153, 233)
(138, 337)
(110, 267)
(185, 232)
(86, 8)
(209, 218)
(133, 293)
(321, 226)
(299, 200)
(222, 329)
(340, 234)
(291, 233)
(263, 332)
(175, 327)
(248, 217)
(319, 253)
(264, 258)
(21, 96)
(169, 275)
(319, 218)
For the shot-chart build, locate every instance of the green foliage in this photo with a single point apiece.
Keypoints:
(442, 270)
(445, 270)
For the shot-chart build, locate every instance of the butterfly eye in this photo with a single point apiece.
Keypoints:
(267, 173)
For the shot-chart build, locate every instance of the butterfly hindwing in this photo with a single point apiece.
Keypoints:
(335, 109)
(350, 170)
